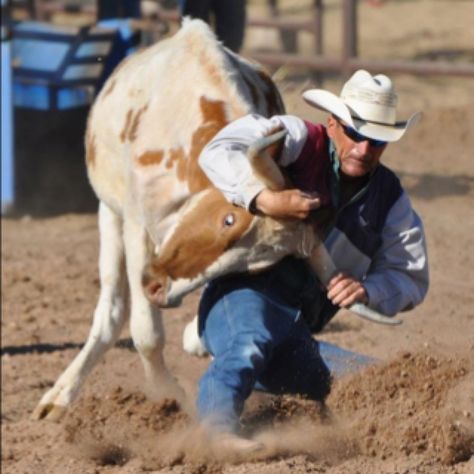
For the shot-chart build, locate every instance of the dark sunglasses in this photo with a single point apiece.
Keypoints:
(355, 136)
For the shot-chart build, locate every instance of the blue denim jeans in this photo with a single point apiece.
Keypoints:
(254, 330)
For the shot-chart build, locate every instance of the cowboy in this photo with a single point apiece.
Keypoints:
(259, 327)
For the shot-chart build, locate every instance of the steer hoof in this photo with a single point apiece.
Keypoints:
(48, 412)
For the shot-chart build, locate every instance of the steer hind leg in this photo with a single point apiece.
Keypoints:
(109, 316)
(146, 324)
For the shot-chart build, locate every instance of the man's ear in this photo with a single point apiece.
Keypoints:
(332, 124)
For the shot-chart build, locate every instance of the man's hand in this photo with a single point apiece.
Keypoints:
(290, 203)
(344, 290)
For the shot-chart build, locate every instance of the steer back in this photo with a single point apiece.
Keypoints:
(156, 113)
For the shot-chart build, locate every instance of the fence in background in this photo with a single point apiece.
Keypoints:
(345, 63)
(348, 61)
(46, 175)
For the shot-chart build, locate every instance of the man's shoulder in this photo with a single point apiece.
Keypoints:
(317, 141)
(383, 192)
(384, 180)
(387, 173)
(316, 130)
(364, 219)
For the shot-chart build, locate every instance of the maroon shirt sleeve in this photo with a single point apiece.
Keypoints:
(311, 170)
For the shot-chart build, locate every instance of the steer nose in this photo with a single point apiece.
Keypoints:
(153, 288)
(154, 292)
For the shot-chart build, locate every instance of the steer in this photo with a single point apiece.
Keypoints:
(145, 132)
(164, 229)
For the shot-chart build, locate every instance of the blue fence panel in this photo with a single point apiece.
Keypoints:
(57, 67)
(8, 177)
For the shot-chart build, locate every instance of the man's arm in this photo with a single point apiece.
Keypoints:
(290, 203)
(345, 290)
(225, 163)
(398, 278)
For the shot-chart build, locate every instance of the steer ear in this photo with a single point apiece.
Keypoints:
(261, 160)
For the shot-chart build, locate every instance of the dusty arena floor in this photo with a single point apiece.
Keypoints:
(413, 412)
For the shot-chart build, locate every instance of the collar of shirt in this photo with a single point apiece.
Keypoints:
(336, 192)
(335, 181)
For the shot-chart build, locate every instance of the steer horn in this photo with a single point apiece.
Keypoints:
(325, 269)
(262, 162)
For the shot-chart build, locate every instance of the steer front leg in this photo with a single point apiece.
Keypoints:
(146, 324)
(109, 317)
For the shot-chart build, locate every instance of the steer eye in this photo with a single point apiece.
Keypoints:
(229, 220)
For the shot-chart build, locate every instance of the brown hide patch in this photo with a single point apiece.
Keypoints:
(197, 180)
(126, 127)
(132, 134)
(201, 237)
(132, 121)
(213, 111)
(274, 102)
(214, 119)
(187, 167)
(176, 156)
(90, 150)
(182, 168)
(151, 158)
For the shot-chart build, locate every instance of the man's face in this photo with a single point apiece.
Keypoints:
(357, 158)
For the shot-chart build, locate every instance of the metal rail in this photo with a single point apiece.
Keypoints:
(334, 64)
(349, 61)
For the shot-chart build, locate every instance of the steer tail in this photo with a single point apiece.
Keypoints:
(261, 160)
(325, 269)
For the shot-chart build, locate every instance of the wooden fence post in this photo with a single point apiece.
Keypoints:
(349, 35)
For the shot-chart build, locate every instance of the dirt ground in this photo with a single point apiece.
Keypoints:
(412, 412)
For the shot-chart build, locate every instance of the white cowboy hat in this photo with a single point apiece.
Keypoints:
(367, 103)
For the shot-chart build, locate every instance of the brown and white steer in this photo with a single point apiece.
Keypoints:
(145, 133)
(164, 229)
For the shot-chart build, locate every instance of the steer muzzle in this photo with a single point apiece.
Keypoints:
(155, 285)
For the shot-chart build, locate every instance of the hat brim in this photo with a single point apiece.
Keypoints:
(329, 102)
